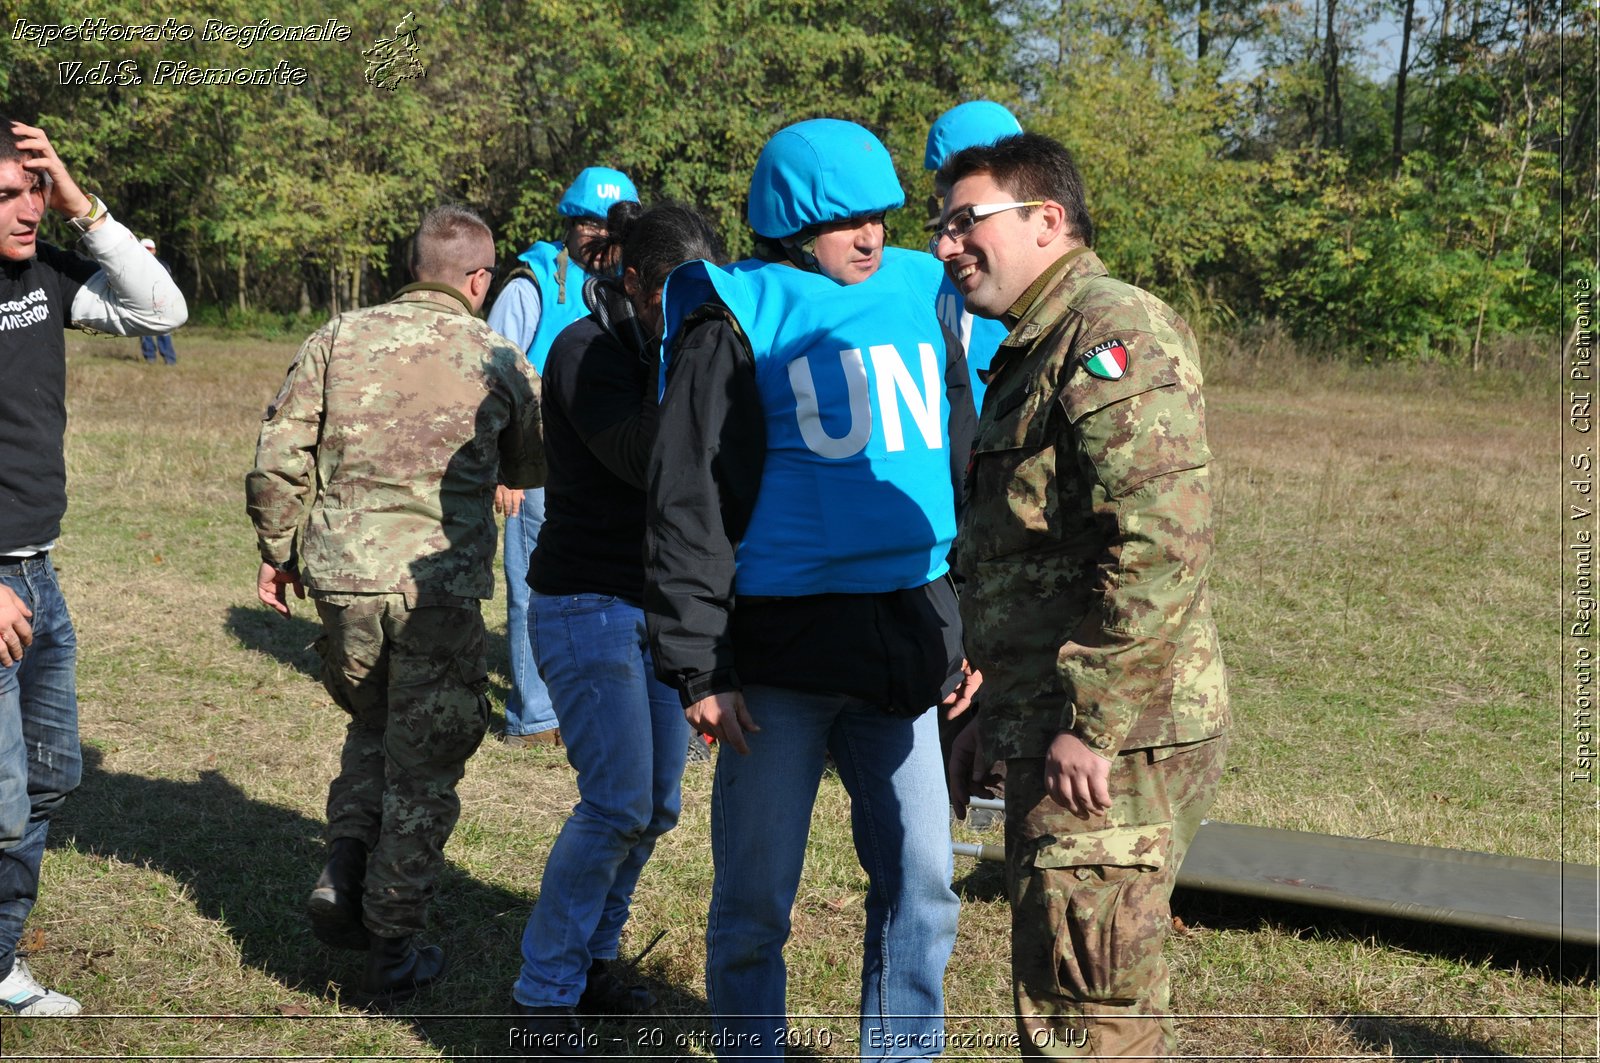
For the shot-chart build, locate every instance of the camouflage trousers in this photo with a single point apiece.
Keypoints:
(1090, 902)
(412, 678)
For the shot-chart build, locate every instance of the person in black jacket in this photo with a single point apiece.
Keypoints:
(623, 730)
(814, 433)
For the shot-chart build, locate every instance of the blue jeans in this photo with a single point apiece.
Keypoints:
(148, 345)
(40, 761)
(626, 737)
(760, 818)
(528, 708)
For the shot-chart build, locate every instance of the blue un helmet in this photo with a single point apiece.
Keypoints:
(594, 192)
(820, 171)
(967, 125)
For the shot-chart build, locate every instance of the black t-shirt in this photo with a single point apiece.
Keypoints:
(599, 423)
(35, 306)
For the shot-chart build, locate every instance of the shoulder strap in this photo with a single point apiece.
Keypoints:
(500, 284)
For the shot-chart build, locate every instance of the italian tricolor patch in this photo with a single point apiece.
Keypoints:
(1108, 361)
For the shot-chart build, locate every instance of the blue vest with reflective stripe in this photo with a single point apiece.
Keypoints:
(555, 311)
(981, 336)
(855, 490)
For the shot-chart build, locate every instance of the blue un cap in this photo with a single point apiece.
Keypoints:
(967, 125)
(820, 171)
(595, 191)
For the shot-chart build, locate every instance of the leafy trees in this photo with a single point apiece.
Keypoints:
(1245, 158)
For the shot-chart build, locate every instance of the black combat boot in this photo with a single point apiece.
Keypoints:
(549, 1035)
(606, 994)
(335, 905)
(396, 969)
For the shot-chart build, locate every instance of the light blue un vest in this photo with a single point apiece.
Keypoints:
(980, 336)
(855, 492)
(557, 310)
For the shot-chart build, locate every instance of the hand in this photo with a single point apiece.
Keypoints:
(959, 700)
(723, 717)
(63, 194)
(1076, 777)
(507, 500)
(964, 776)
(15, 631)
(269, 588)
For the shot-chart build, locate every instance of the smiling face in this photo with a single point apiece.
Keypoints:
(22, 197)
(994, 263)
(848, 252)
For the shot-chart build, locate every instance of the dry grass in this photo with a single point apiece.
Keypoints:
(1389, 641)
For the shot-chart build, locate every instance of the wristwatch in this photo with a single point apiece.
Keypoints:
(97, 210)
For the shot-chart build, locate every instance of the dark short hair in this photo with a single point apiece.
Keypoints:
(446, 242)
(9, 152)
(1029, 166)
(654, 242)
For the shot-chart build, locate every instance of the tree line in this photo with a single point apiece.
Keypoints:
(1247, 159)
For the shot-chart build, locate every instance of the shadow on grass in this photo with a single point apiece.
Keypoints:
(985, 880)
(248, 865)
(1400, 1038)
(1573, 965)
(289, 641)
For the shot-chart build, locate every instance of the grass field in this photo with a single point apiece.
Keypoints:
(1386, 586)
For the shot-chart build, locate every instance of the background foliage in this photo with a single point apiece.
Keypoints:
(1252, 162)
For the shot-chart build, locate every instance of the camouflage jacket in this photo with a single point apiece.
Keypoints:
(1086, 541)
(377, 462)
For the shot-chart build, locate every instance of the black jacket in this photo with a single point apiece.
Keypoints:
(600, 384)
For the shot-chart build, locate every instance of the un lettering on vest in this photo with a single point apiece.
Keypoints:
(894, 384)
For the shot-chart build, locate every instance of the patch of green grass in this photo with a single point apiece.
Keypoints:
(1387, 631)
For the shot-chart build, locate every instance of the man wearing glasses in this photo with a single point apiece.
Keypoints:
(1086, 547)
(373, 487)
(542, 296)
(963, 126)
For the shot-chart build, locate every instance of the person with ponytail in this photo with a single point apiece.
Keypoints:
(623, 729)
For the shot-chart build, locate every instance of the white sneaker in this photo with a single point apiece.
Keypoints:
(21, 995)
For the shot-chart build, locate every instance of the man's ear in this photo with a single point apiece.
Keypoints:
(478, 283)
(1053, 217)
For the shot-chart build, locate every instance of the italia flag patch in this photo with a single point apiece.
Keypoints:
(1108, 361)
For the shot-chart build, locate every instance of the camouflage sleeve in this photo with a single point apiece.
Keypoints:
(1140, 444)
(277, 489)
(522, 457)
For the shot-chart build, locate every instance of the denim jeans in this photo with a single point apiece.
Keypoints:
(528, 708)
(900, 819)
(626, 737)
(148, 345)
(40, 760)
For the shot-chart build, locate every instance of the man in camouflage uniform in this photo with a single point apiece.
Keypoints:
(1086, 545)
(374, 478)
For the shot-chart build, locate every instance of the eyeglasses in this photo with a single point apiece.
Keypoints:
(490, 270)
(963, 221)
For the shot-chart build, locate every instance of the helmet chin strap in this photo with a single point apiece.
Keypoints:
(802, 249)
